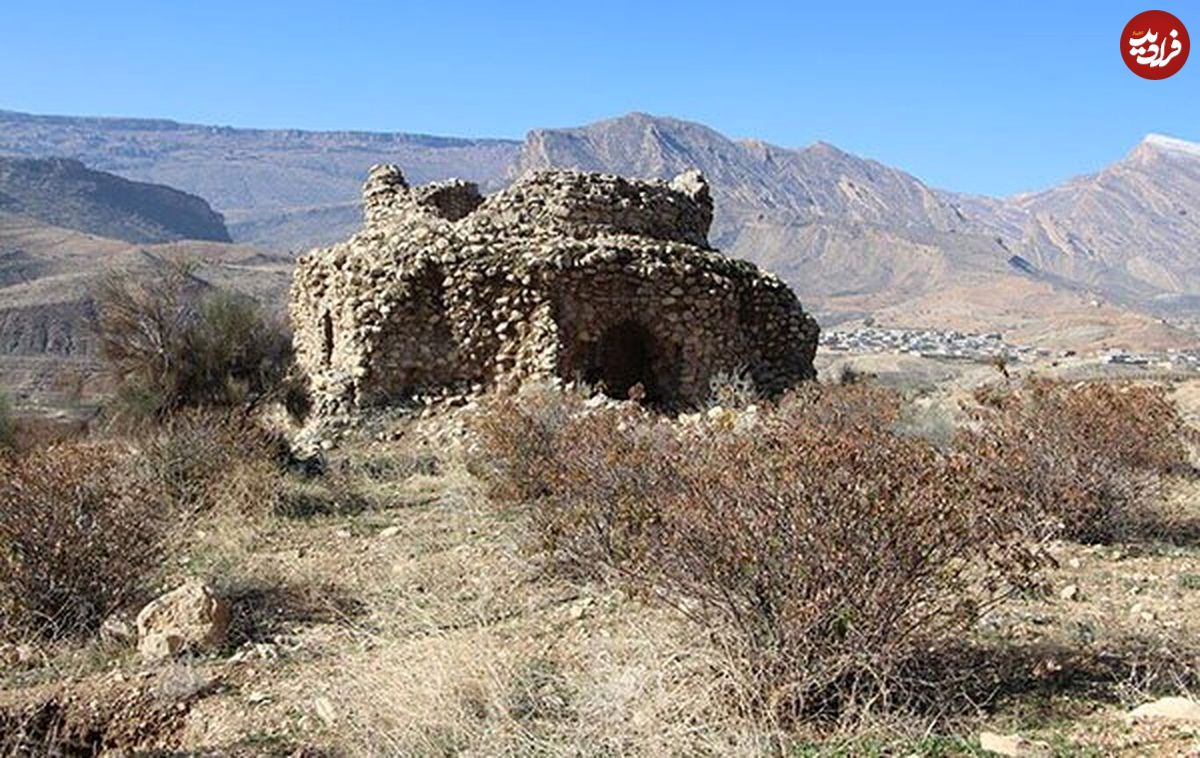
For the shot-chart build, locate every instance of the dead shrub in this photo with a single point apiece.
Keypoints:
(77, 538)
(732, 389)
(202, 461)
(1087, 458)
(832, 549)
(199, 460)
(172, 343)
(33, 432)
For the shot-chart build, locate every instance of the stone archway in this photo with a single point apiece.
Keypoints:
(628, 354)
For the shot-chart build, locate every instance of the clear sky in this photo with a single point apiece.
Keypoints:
(973, 95)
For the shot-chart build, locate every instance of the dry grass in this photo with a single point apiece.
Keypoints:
(78, 538)
(634, 682)
(7, 426)
(389, 607)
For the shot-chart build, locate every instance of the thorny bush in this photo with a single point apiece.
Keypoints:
(77, 538)
(190, 461)
(1086, 458)
(170, 342)
(831, 548)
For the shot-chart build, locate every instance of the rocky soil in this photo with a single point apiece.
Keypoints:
(408, 618)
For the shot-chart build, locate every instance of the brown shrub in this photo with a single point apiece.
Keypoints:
(1086, 458)
(77, 538)
(32, 432)
(833, 548)
(197, 460)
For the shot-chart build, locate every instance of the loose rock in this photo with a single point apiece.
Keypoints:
(191, 618)
(1169, 709)
(1012, 745)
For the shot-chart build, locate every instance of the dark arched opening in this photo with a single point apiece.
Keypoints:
(627, 354)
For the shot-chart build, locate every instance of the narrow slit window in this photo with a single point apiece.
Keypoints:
(327, 337)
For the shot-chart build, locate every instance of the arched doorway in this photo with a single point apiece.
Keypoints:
(628, 354)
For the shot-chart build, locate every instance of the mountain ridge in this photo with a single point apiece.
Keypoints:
(854, 236)
(65, 193)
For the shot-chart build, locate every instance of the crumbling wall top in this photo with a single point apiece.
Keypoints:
(387, 195)
(567, 204)
(581, 205)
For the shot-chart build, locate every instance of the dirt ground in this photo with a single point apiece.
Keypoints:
(414, 621)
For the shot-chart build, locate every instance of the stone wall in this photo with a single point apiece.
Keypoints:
(581, 276)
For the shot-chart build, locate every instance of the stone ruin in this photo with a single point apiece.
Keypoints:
(588, 277)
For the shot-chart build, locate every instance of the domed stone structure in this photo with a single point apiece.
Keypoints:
(581, 276)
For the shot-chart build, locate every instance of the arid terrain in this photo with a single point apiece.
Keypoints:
(1100, 261)
(392, 606)
(534, 469)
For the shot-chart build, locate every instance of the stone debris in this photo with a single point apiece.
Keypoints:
(116, 629)
(191, 618)
(325, 711)
(578, 276)
(1168, 709)
(258, 697)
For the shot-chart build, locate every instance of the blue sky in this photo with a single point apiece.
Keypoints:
(990, 97)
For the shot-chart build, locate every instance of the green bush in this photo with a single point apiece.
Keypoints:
(172, 343)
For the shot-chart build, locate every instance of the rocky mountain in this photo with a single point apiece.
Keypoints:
(278, 188)
(818, 182)
(1099, 260)
(850, 234)
(1130, 231)
(64, 193)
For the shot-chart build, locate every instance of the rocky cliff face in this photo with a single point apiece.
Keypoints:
(65, 193)
(815, 183)
(830, 223)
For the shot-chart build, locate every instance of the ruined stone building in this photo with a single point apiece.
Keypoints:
(581, 276)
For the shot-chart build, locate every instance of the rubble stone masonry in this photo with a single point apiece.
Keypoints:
(588, 277)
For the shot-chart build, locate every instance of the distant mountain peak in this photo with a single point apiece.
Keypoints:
(1173, 144)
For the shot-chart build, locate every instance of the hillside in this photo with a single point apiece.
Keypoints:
(1133, 227)
(855, 237)
(264, 181)
(65, 193)
(46, 274)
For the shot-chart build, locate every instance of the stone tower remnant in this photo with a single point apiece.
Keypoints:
(581, 276)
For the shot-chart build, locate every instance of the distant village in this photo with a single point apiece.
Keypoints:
(957, 345)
